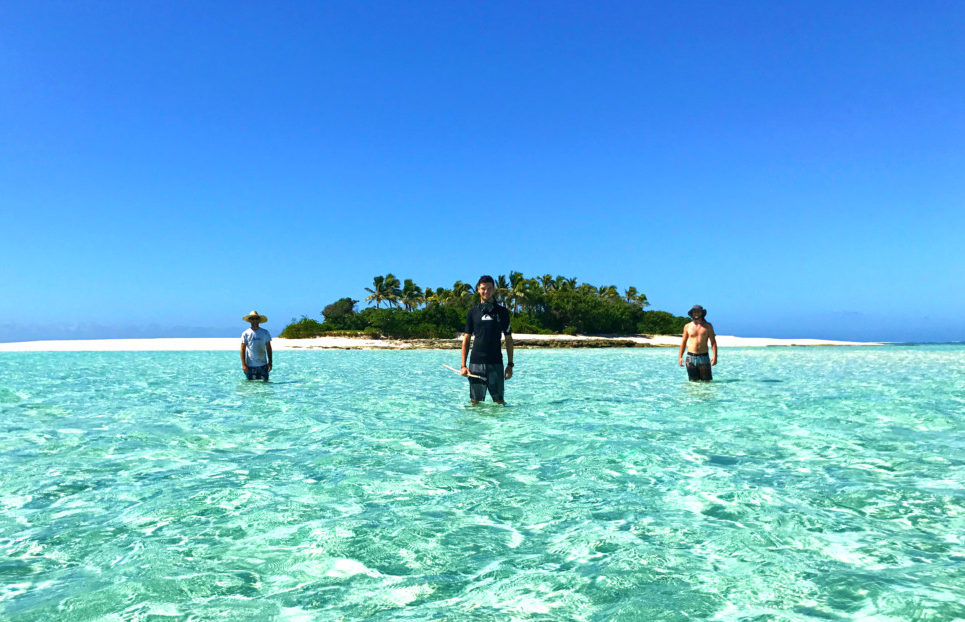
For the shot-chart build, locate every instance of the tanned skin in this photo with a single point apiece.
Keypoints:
(697, 335)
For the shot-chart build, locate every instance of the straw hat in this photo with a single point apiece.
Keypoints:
(254, 316)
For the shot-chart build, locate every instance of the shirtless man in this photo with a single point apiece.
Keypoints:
(696, 336)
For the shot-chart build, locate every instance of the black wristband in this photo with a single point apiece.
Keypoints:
(509, 364)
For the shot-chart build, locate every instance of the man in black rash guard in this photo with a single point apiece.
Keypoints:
(485, 324)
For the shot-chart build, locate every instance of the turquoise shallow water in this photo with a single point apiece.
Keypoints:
(804, 484)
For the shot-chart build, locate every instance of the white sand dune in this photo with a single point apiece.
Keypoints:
(347, 343)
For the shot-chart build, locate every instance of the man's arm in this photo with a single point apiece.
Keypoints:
(466, 335)
(244, 362)
(465, 352)
(713, 345)
(268, 348)
(509, 356)
(683, 346)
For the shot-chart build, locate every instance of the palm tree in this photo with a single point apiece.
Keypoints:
(587, 290)
(533, 295)
(377, 291)
(609, 292)
(412, 295)
(563, 284)
(440, 296)
(460, 291)
(636, 298)
(502, 288)
(392, 290)
(548, 283)
(517, 284)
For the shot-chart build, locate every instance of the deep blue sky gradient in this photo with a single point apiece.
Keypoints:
(797, 168)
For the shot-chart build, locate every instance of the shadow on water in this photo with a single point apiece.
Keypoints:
(488, 409)
(723, 460)
(590, 398)
(739, 380)
(262, 383)
(254, 385)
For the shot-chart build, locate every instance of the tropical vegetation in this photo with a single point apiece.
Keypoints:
(545, 304)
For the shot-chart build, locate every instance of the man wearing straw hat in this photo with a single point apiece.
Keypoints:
(256, 348)
(696, 336)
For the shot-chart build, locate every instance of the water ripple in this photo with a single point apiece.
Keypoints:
(806, 484)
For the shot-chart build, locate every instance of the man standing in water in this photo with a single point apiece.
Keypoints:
(696, 336)
(256, 348)
(484, 324)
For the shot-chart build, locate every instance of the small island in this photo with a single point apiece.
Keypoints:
(547, 305)
(547, 312)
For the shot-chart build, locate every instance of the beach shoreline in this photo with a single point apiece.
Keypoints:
(223, 344)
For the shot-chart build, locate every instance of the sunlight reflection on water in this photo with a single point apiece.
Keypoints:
(803, 483)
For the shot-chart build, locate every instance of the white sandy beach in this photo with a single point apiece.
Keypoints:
(347, 343)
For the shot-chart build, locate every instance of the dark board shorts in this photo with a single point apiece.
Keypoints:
(698, 366)
(257, 373)
(494, 377)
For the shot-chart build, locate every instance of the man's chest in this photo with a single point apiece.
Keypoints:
(698, 332)
(256, 339)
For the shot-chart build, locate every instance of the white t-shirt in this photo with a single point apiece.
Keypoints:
(256, 352)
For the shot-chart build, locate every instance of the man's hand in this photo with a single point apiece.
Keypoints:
(680, 361)
(464, 371)
(509, 373)
(714, 362)
(269, 365)
(244, 368)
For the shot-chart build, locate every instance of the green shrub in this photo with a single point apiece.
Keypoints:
(525, 326)
(340, 312)
(661, 323)
(303, 329)
(430, 331)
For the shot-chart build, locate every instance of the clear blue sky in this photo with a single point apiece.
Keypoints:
(796, 167)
